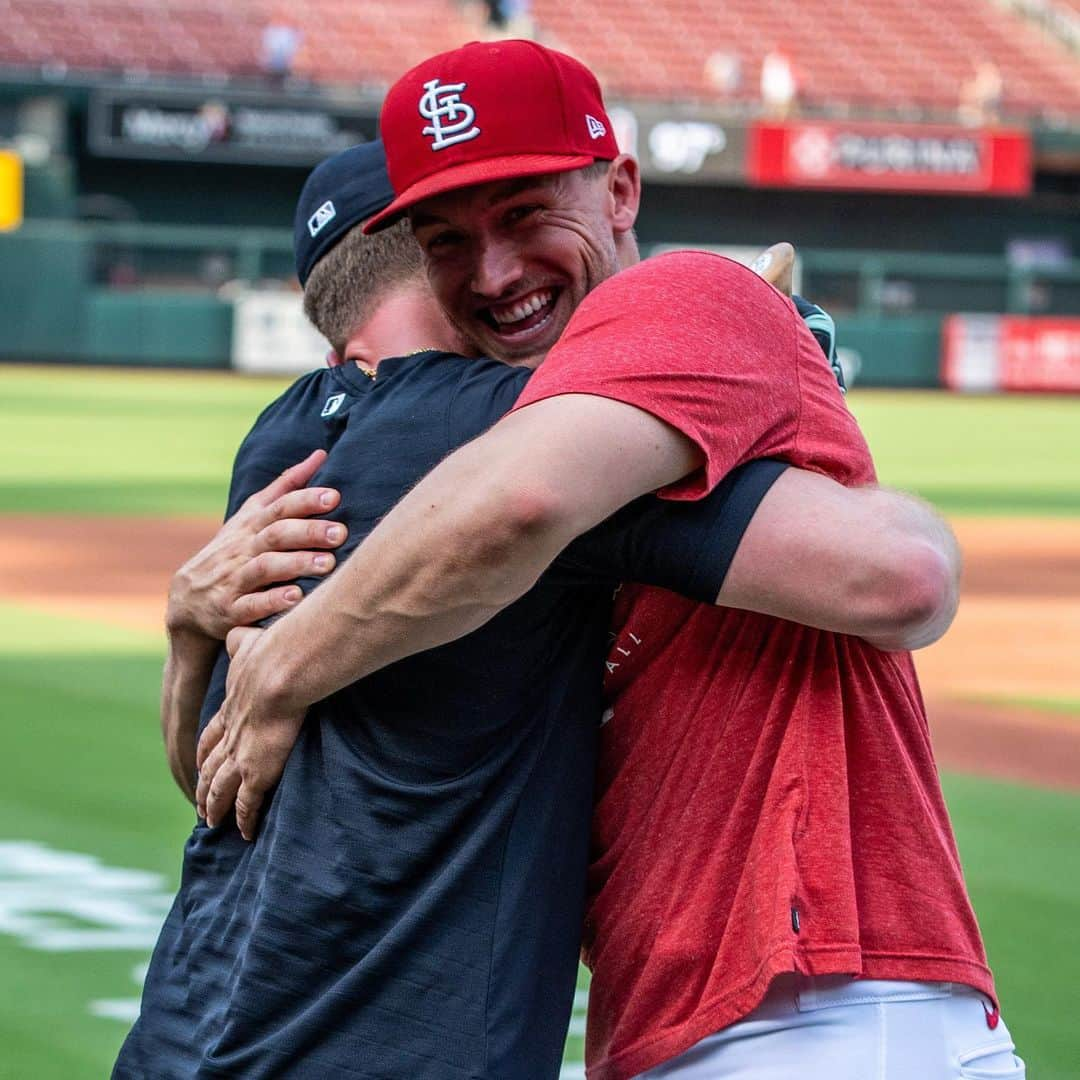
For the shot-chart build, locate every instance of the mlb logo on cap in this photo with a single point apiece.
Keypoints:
(342, 192)
(323, 216)
(489, 111)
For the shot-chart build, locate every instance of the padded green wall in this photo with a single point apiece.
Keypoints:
(43, 284)
(895, 351)
(141, 327)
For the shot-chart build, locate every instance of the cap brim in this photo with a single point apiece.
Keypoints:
(470, 173)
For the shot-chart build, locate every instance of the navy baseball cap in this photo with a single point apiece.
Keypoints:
(341, 192)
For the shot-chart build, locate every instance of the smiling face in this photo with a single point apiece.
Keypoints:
(510, 261)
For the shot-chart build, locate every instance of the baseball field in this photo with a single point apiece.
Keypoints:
(108, 479)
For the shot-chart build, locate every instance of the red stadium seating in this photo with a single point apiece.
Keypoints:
(873, 54)
(343, 41)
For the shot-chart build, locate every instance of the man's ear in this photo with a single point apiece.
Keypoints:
(624, 193)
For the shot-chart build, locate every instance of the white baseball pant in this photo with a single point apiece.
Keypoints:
(838, 1028)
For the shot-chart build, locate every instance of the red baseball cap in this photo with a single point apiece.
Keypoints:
(489, 111)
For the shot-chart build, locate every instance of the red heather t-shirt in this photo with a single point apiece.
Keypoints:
(767, 798)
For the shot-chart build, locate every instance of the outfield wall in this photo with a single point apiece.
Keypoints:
(168, 295)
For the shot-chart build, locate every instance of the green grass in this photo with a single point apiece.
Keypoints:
(85, 773)
(977, 455)
(1022, 864)
(122, 442)
(1059, 706)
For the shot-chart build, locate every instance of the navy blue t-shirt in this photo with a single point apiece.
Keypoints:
(412, 905)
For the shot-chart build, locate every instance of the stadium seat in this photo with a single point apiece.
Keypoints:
(869, 54)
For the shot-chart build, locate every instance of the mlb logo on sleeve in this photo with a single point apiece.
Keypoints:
(333, 403)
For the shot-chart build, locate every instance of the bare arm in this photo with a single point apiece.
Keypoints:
(188, 665)
(878, 564)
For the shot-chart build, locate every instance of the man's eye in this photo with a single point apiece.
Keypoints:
(521, 213)
(441, 241)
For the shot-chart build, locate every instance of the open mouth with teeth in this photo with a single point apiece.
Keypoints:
(528, 312)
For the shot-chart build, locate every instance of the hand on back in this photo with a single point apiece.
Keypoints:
(237, 578)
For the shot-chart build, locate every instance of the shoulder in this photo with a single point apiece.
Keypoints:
(686, 271)
(300, 395)
(485, 391)
(684, 292)
(285, 432)
(440, 374)
(469, 393)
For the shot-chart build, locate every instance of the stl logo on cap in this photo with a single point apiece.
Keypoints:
(451, 118)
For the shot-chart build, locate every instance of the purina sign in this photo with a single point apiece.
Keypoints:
(891, 157)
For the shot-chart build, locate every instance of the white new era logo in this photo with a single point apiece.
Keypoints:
(333, 403)
(321, 217)
(596, 129)
(451, 119)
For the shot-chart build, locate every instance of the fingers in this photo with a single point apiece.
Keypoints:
(304, 503)
(240, 639)
(221, 792)
(254, 607)
(294, 477)
(210, 738)
(207, 772)
(276, 567)
(292, 534)
(249, 799)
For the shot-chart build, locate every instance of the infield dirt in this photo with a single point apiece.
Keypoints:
(1015, 639)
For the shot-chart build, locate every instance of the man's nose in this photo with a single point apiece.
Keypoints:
(497, 269)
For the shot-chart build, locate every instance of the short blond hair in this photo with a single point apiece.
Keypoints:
(349, 280)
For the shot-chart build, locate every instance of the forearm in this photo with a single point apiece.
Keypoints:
(869, 562)
(188, 666)
(925, 598)
(457, 549)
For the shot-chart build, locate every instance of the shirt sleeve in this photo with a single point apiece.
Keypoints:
(700, 342)
(686, 547)
(284, 433)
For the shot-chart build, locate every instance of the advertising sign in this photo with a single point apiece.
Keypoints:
(1011, 352)
(229, 128)
(869, 156)
(681, 144)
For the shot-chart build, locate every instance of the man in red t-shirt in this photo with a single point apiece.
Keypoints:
(770, 838)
